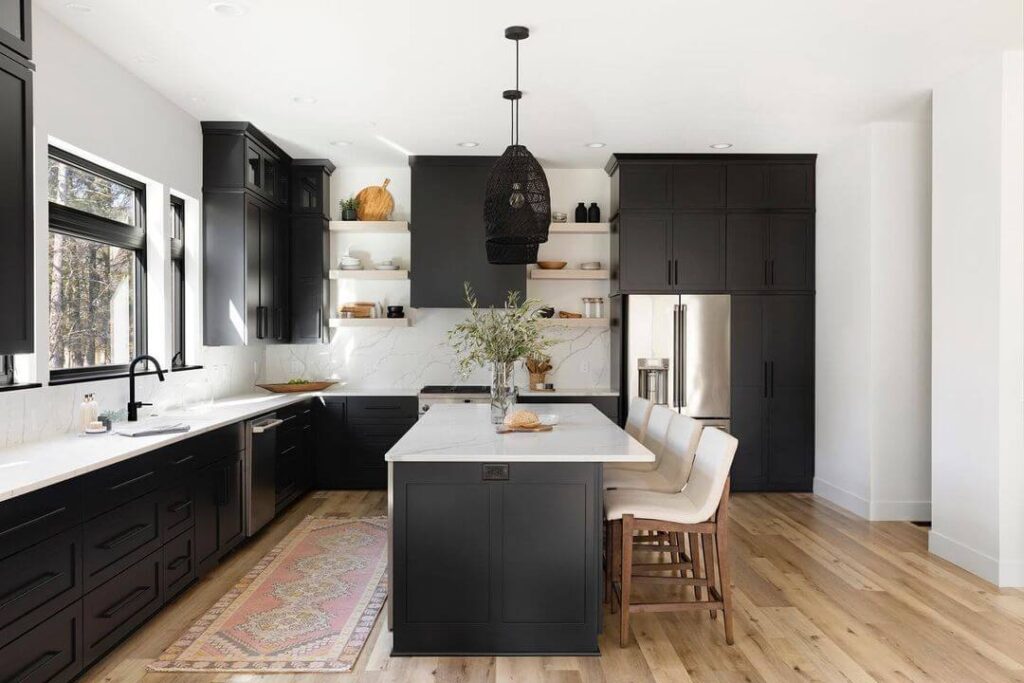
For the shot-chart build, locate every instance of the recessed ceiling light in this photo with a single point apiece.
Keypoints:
(596, 145)
(227, 9)
(304, 100)
(340, 143)
(721, 145)
(469, 143)
(79, 7)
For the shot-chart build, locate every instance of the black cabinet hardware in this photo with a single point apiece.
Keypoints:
(133, 480)
(26, 673)
(177, 562)
(182, 461)
(124, 537)
(124, 602)
(28, 589)
(178, 507)
(31, 522)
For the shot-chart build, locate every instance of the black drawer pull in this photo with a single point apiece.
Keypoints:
(30, 587)
(30, 522)
(184, 460)
(123, 537)
(178, 507)
(177, 562)
(384, 407)
(35, 666)
(121, 604)
(131, 481)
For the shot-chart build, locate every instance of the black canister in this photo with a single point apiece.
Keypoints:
(593, 213)
(581, 213)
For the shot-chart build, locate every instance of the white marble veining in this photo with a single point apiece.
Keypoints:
(464, 433)
(414, 356)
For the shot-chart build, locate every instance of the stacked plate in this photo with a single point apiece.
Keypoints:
(387, 265)
(350, 263)
(590, 265)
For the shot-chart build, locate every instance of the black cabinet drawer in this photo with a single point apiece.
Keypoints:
(50, 652)
(219, 443)
(382, 407)
(179, 560)
(39, 581)
(179, 462)
(28, 519)
(120, 537)
(177, 509)
(112, 486)
(113, 610)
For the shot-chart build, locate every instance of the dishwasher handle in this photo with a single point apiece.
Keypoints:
(260, 427)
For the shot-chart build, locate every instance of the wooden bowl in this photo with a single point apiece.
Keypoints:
(296, 388)
(551, 265)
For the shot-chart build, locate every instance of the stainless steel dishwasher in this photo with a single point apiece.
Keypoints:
(259, 495)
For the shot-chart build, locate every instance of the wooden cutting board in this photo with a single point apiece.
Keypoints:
(505, 429)
(375, 202)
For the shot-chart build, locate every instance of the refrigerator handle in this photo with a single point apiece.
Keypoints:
(681, 364)
(771, 378)
(668, 274)
(764, 386)
(675, 353)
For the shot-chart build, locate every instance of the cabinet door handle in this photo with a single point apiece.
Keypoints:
(184, 460)
(177, 562)
(30, 522)
(676, 261)
(121, 604)
(668, 266)
(123, 537)
(764, 275)
(771, 271)
(764, 386)
(178, 507)
(26, 673)
(132, 481)
(771, 378)
(29, 588)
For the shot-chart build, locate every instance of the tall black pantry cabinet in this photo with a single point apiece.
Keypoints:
(739, 224)
(310, 249)
(16, 316)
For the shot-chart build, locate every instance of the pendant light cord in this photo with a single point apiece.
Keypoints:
(517, 89)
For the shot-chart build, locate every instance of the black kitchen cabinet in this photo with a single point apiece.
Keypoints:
(698, 185)
(16, 228)
(16, 27)
(776, 184)
(671, 251)
(353, 435)
(310, 249)
(294, 454)
(770, 252)
(773, 392)
(52, 651)
(115, 609)
(219, 524)
(447, 236)
(646, 186)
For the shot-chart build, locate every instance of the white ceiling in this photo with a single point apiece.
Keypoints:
(655, 75)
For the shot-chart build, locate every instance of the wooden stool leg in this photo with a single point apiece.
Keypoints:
(615, 565)
(722, 538)
(677, 555)
(698, 572)
(608, 561)
(709, 567)
(627, 576)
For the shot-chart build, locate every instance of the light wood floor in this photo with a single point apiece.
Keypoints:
(819, 595)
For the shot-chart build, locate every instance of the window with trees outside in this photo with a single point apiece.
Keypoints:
(177, 230)
(97, 268)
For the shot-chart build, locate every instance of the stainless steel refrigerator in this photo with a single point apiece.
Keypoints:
(677, 353)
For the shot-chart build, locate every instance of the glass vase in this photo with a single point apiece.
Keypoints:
(503, 390)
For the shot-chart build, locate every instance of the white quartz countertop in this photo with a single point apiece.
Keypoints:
(568, 392)
(464, 433)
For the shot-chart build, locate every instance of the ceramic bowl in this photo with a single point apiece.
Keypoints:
(551, 265)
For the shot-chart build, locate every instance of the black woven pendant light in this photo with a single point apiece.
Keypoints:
(517, 201)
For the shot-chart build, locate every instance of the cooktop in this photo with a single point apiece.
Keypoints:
(455, 389)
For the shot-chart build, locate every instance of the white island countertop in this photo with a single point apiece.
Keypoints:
(464, 433)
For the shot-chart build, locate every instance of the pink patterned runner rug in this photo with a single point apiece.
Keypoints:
(308, 606)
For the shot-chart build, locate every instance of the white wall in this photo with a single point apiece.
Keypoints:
(977, 303)
(94, 107)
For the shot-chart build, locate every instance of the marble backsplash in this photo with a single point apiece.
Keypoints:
(33, 414)
(411, 357)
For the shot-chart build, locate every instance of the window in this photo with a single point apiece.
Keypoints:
(177, 230)
(97, 268)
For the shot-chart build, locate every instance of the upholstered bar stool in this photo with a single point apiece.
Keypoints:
(701, 508)
(672, 468)
(639, 413)
(653, 438)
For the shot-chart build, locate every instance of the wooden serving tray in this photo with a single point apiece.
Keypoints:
(296, 388)
(505, 429)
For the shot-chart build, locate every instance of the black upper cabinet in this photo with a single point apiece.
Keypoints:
(771, 251)
(698, 186)
(310, 249)
(246, 236)
(646, 186)
(16, 26)
(776, 185)
(447, 238)
(698, 251)
(645, 251)
(16, 230)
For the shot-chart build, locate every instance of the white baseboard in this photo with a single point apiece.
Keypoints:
(1011, 574)
(841, 497)
(901, 511)
(964, 556)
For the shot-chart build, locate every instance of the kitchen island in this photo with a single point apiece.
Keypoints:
(496, 538)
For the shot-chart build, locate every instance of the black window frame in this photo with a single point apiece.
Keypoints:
(177, 252)
(80, 224)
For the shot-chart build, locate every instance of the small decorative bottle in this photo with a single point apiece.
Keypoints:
(581, 213)
(88, 412)
(593, 213)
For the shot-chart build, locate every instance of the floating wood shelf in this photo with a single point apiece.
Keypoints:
(580, 228)
(565, 274)
(369, 274)
(573, 322)
(369, 322)
(370, 226)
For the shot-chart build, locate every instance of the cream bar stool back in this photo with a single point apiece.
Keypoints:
(672, 469)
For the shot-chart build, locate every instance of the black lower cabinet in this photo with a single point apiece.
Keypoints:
(354, 433)
(773, 392)
(496, 558)
(113, 610)
(609, 405)
(220, 520)
(294, 462)
(179, 564)
(52, 651)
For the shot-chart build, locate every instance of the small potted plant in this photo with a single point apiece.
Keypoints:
(349, 207)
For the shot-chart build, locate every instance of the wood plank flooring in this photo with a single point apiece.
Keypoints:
(819, 595)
